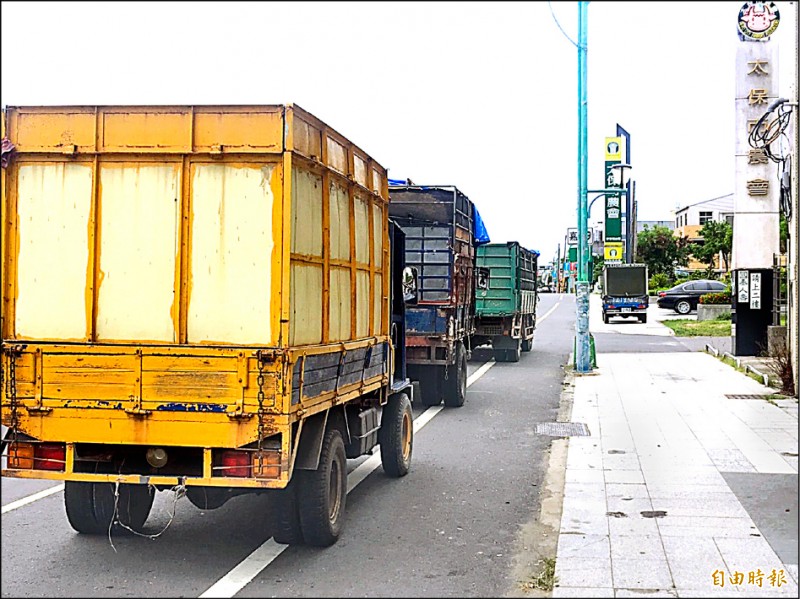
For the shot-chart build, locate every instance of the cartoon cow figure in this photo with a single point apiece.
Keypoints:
(757, 20)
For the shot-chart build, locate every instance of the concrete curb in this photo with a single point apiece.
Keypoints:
(746, 367)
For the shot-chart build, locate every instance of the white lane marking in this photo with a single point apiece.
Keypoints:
(31, 498)
(549, 312)
(253, 564)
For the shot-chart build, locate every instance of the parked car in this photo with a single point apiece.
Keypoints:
(683, 297)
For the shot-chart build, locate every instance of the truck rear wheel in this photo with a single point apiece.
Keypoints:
(322, 493)
(455, 385)
(527, 344)
(396, 435)
(643, 318)
(90, 506)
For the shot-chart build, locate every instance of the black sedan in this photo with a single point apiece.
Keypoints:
(683, 297)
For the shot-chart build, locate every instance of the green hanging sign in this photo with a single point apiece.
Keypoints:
(613, 202)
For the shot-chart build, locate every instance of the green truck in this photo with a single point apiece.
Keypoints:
(506, 298)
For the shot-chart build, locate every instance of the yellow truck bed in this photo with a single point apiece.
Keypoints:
(188, 277)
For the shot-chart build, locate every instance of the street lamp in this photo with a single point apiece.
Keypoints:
(620, 177)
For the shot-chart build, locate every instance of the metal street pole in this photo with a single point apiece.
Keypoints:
(629, 230)
(583, 362)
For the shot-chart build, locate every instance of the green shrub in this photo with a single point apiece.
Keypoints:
(659, 280)
(723, 297)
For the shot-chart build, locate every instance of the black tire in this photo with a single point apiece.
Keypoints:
(79, 502)
(287, 529)
(455, 385)
(322, 493)
(643, 319)
(134, 505)
(683, 307)
(527, 344)
(396, 435)
(90, 506)
(606, 318)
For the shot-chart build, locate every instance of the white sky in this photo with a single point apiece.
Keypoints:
(480, 95)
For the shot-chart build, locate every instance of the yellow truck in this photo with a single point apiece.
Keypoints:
(199, 298)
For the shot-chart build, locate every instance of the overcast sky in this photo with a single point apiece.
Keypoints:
(480, 95)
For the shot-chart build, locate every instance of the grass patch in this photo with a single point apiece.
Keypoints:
(699, 328)
(546, 579)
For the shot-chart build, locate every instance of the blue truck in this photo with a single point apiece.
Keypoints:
(625, 291)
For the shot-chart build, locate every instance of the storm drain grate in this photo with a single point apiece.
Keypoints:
(562, 429)
(748, 395)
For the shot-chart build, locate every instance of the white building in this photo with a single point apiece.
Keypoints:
(690, 219)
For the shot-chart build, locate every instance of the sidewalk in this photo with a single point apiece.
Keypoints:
(684, 487)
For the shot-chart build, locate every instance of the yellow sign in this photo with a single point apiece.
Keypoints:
(614, 148)
(612, 251)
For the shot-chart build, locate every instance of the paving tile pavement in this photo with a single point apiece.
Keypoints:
(646, 507)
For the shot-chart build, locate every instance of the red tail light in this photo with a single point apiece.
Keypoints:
(662, 293)
(642, 306)
(235, 463)
(49, 456)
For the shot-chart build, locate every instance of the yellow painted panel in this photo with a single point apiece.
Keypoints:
(377, 302)
(239, 131)
(337, 156)
(36, 131)
(362, 230)
(340, 222)
(362, 303)
(377, 236)
(210, 383)
(306, 213)
(231, 262)
(141, 129)
(188, 363)
(54, 203)
(305, 321)
(340, 297)
(307, 138)
(188, 429)
(361, 170)
(138, 248)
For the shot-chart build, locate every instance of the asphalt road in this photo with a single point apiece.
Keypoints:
(450, 528)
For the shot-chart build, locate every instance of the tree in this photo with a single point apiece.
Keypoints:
(661, 250)
(597, 269)
(717, 238)
(784, 234)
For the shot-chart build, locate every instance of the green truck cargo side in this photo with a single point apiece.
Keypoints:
(505, 307)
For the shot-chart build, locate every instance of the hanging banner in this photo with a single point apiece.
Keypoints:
(613, 203)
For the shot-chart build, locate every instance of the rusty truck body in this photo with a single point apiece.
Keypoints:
(198, 297)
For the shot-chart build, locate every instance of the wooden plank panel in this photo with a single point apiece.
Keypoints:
(136, 129)
(246, 131)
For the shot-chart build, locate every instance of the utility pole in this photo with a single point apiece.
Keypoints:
(629, 220)
(583, 362)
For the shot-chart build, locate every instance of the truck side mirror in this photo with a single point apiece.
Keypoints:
(482, 278)
(410, 288)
